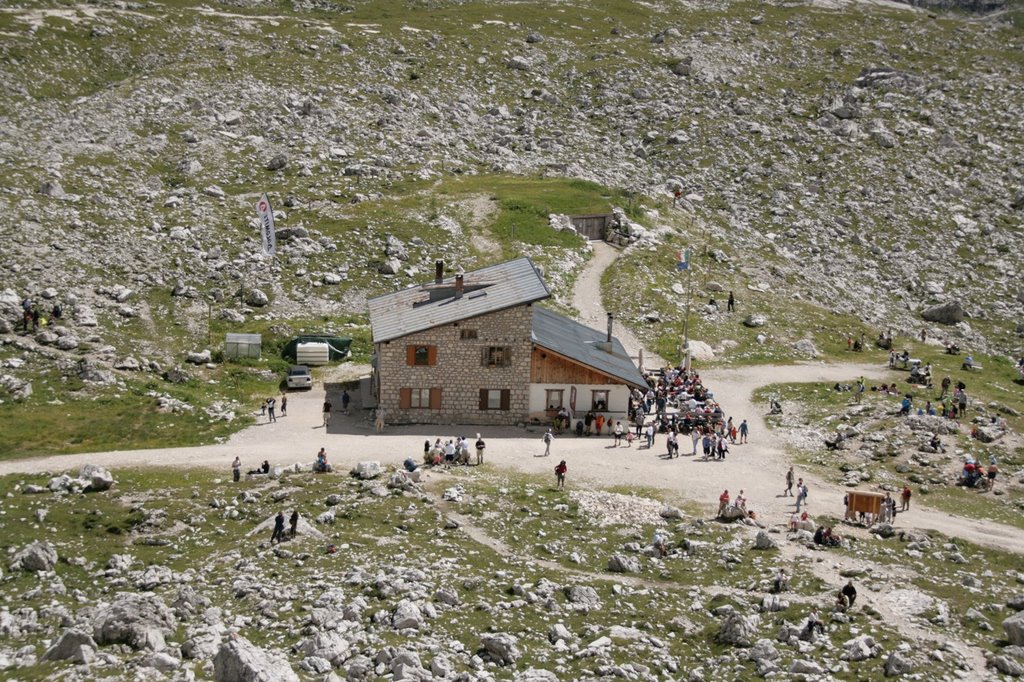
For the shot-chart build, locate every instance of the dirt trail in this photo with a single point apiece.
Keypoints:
(586, 298)
(758, 468)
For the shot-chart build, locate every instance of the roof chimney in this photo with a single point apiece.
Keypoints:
(438, 271)
(458, 286)
(609, 339)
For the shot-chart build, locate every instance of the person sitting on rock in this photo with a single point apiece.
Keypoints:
(819, 536)
(936, 443)
(781, 582)
(814, 623)
(968, 363)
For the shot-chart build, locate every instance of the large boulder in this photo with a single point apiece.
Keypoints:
(860, 648)
(502, 648)
(623, 564)
(39, 556)
(139, 620)
(764, 541)
(583, 597)
(944, 313)
(699, 350)
(328, 645)
(239, 660)
(755, 320)
(74, 645)
(96, 478)
(1014, 627)
(898, 664)
(256, 298)
(1006, 665)
(738, 630)
(367, 470)
(407, 615)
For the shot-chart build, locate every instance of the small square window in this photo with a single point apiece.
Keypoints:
(421, 355)
(419, 398)
(599, 400)
(467, 334)
(497, 356)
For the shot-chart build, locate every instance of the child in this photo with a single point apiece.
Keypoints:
(560, 471)
(629, 439)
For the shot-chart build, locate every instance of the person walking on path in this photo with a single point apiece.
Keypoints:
(547, 438)
(345, 398)
(905, 498)
(560, 472)
(789, 484)
(236, 470)
(618, 433)
(327, 412)
(379, 424)
(284, 405)
(859, 391)
(731, 305)
(294, 523)
(744, 430)
(480, 445)
(801, 494)
(271, 405)
(278, 535)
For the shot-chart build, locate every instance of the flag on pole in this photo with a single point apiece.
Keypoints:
(266, 215)
(683, 260)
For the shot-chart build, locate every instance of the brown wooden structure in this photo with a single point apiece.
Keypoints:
(593, 226)
(861, 502)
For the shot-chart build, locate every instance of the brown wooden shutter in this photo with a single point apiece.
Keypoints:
(483, 399)
(432, 355)
(506, 399)
(483, 356)
(404, 398)
(435, 399)
(410, 355)
(507, 358)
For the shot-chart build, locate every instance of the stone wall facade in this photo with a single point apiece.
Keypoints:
(459, 370)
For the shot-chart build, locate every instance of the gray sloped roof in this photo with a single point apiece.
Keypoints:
(425, 306)
(579, 342)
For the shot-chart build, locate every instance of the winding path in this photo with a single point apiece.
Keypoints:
(758, 467)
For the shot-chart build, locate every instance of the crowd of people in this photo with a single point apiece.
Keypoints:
(452, 452)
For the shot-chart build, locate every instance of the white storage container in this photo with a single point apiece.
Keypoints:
(312, 354)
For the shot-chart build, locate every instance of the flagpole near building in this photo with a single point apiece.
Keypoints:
(683, 263)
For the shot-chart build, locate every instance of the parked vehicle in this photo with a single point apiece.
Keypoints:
(299, 377)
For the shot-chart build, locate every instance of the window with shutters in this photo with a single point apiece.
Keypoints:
(466, 334)
(422, 356)
(496, 356)
(495, 399)
(419, 398)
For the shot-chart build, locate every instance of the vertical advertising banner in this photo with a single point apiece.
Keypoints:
(266, 214)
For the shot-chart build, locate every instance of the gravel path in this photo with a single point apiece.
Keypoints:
(758, 467)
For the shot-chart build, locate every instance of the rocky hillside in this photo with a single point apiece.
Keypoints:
(471, 575)
(865, 159)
